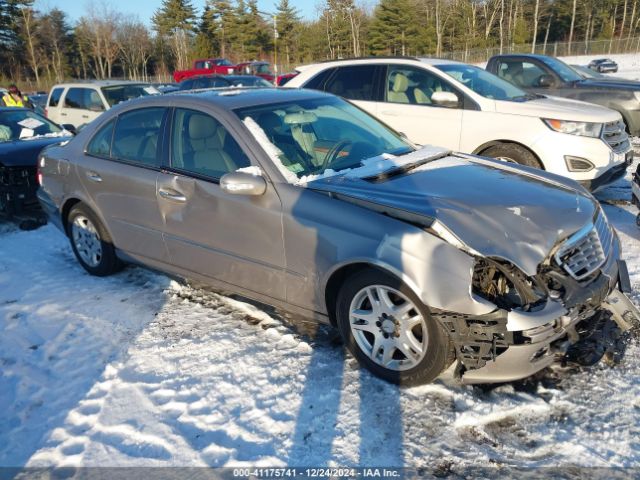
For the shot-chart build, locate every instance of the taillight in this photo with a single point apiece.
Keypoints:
(39, 170)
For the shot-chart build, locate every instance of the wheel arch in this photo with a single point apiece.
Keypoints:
(485, 146)
(71, 202)
(337, 277)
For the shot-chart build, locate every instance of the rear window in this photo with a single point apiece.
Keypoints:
(136, 136)
(121, 93)
(54, 99)
(317, 82)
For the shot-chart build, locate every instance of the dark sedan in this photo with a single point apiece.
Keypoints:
(222, 81)
(603, 65)
(23, 134)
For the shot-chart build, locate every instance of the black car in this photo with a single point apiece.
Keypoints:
(541, 74)
(222, 81)
(603, 65)
(23, 134)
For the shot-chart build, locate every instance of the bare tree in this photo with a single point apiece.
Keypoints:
(135, 47)
(535, 26)
(102, 23)
(28, 33)
(573, 22)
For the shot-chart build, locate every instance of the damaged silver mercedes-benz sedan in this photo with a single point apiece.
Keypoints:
(298, 199)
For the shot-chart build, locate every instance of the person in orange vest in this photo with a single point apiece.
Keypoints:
(14, 98)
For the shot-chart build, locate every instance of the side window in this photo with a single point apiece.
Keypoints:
(201, 145)
(100, 144)
(136, 136)
(54, 99)
(413, 86)
(186, 85)
(92, 100)
(75, 98)
(317, 82)
(520, 73)
(354, 83)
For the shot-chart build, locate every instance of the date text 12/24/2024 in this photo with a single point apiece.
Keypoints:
(323, 472)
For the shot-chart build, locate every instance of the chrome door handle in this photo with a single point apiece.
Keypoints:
(172, 195)
(63, 114)
(85, 116)
(93, 176)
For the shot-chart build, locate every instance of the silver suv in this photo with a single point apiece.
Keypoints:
(300, 200)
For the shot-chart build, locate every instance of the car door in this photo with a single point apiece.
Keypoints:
(408, 107)
(234, 239)
(81, 105)
(119, 171)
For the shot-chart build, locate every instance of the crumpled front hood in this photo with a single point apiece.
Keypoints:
(499, 210)
(24, 153)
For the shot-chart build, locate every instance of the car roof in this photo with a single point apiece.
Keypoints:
(233, 98)
(526, 55)
(99, 83)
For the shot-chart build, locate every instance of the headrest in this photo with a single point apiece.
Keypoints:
(202, 126)
(300, 117)
(400, 83)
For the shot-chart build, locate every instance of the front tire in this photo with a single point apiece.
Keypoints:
(91, 242)
(513, 153)
(390, 331)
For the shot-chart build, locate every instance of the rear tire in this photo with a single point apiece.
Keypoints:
(91, 242)
(390, 331)
(514, 153)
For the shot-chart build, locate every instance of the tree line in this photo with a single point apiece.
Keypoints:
(46, 46)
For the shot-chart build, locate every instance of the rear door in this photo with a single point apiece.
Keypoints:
(408, 107)
(358, 83)
(235, 239)
(81, 105)
(119, 171)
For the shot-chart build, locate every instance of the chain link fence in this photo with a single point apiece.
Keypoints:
(556, 49)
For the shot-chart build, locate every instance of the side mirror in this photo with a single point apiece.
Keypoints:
(69, 128)
(239, 183)
(545, 81)
(445, 99)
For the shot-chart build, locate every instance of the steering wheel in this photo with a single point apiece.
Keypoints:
(334, 152)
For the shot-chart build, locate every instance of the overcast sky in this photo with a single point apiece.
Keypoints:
(144, 9)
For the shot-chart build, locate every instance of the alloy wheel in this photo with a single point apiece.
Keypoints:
(388, 327)
(86, 240)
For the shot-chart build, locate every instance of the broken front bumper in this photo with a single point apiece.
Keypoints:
(18, 187)
(505, 346)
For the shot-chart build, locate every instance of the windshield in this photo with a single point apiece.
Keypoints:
(484, 83)
(250, 82)
(586, 72)
(24, 125)
(312, 137)
(564, 71)
(122, 93)
(262, 68)
(223, 62)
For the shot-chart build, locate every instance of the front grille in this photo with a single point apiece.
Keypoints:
(616, 137)
(18, 176)
(587, 250)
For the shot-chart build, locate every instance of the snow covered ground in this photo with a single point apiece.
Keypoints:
(628, 63)
(138, 370)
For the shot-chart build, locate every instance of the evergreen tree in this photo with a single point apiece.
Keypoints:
(288, 19)
(392, 28)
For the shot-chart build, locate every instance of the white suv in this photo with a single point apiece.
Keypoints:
(79, 103)
(468, 109)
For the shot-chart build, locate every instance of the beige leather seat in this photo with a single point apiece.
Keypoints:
(207, 141)
(398, 92)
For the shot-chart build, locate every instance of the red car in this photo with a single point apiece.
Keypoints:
(206, 66)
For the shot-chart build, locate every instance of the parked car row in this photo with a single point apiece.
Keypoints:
(222, 66)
